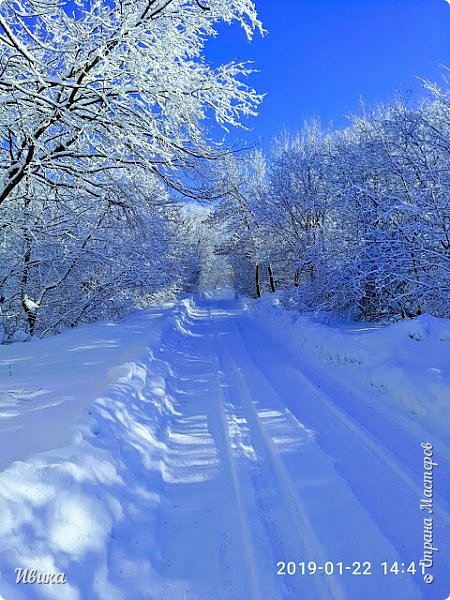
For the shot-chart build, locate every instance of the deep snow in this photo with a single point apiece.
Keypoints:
(185, 451)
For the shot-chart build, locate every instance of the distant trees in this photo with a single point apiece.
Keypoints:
(357, 221)
(243, 189)
(298, 204)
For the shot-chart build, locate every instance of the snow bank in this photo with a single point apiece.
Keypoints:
(88, 510)
(85, 509)
(52, 381)
(71, 503)
(406, 364)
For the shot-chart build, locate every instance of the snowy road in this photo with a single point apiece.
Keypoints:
(294, 473)
(232, 469)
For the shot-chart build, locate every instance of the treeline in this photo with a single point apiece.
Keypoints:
(355, 221)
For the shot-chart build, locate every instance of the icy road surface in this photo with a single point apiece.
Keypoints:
(221, 465)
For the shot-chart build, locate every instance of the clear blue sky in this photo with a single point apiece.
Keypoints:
(321, 56)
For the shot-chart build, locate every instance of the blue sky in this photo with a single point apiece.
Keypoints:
(321, 56)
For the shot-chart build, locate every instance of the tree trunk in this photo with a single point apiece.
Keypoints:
(258, 287)
(31, 317)
(29, 312)
(297, 278)
(271, 279)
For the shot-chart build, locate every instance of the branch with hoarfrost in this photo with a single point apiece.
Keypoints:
(126, 79)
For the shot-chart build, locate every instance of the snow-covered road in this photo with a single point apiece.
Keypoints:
(222, 465)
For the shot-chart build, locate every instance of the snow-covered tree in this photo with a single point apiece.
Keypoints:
(90, 86)
(392, 180)
(356, 221)
(298, 203)
(69, 260)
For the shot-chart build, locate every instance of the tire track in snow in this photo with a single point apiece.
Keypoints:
(272, 492)
(225, 449)
(388, 423)
(221, 522)
(376, 445)
(287, 526)
(346, 439)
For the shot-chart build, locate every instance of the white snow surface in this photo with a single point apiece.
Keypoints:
(184, 452)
